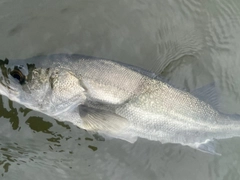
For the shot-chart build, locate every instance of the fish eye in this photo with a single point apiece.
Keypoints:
(17, 74)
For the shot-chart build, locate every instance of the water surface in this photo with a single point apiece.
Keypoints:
(189, 42)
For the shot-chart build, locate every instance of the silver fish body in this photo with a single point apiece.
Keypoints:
(116, 100)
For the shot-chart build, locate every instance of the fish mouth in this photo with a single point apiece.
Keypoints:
(6, 81)
(7, 89)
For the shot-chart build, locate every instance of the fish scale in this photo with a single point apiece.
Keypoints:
(118, 101)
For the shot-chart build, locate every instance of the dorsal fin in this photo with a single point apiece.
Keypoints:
(208, 94)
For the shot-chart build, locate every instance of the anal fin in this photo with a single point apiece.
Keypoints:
(208, 146)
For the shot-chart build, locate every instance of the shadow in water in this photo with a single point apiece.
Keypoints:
(29, 137)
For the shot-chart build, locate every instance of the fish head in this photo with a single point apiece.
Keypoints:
(50, 90)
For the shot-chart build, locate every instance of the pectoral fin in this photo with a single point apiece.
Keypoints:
(105, 123)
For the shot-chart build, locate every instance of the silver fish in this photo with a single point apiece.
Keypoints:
(116, 100)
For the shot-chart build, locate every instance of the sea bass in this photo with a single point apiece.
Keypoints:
(116, 100)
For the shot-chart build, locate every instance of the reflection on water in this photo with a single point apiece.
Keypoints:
(26, 139)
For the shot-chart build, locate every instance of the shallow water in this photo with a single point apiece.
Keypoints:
(189, 42)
